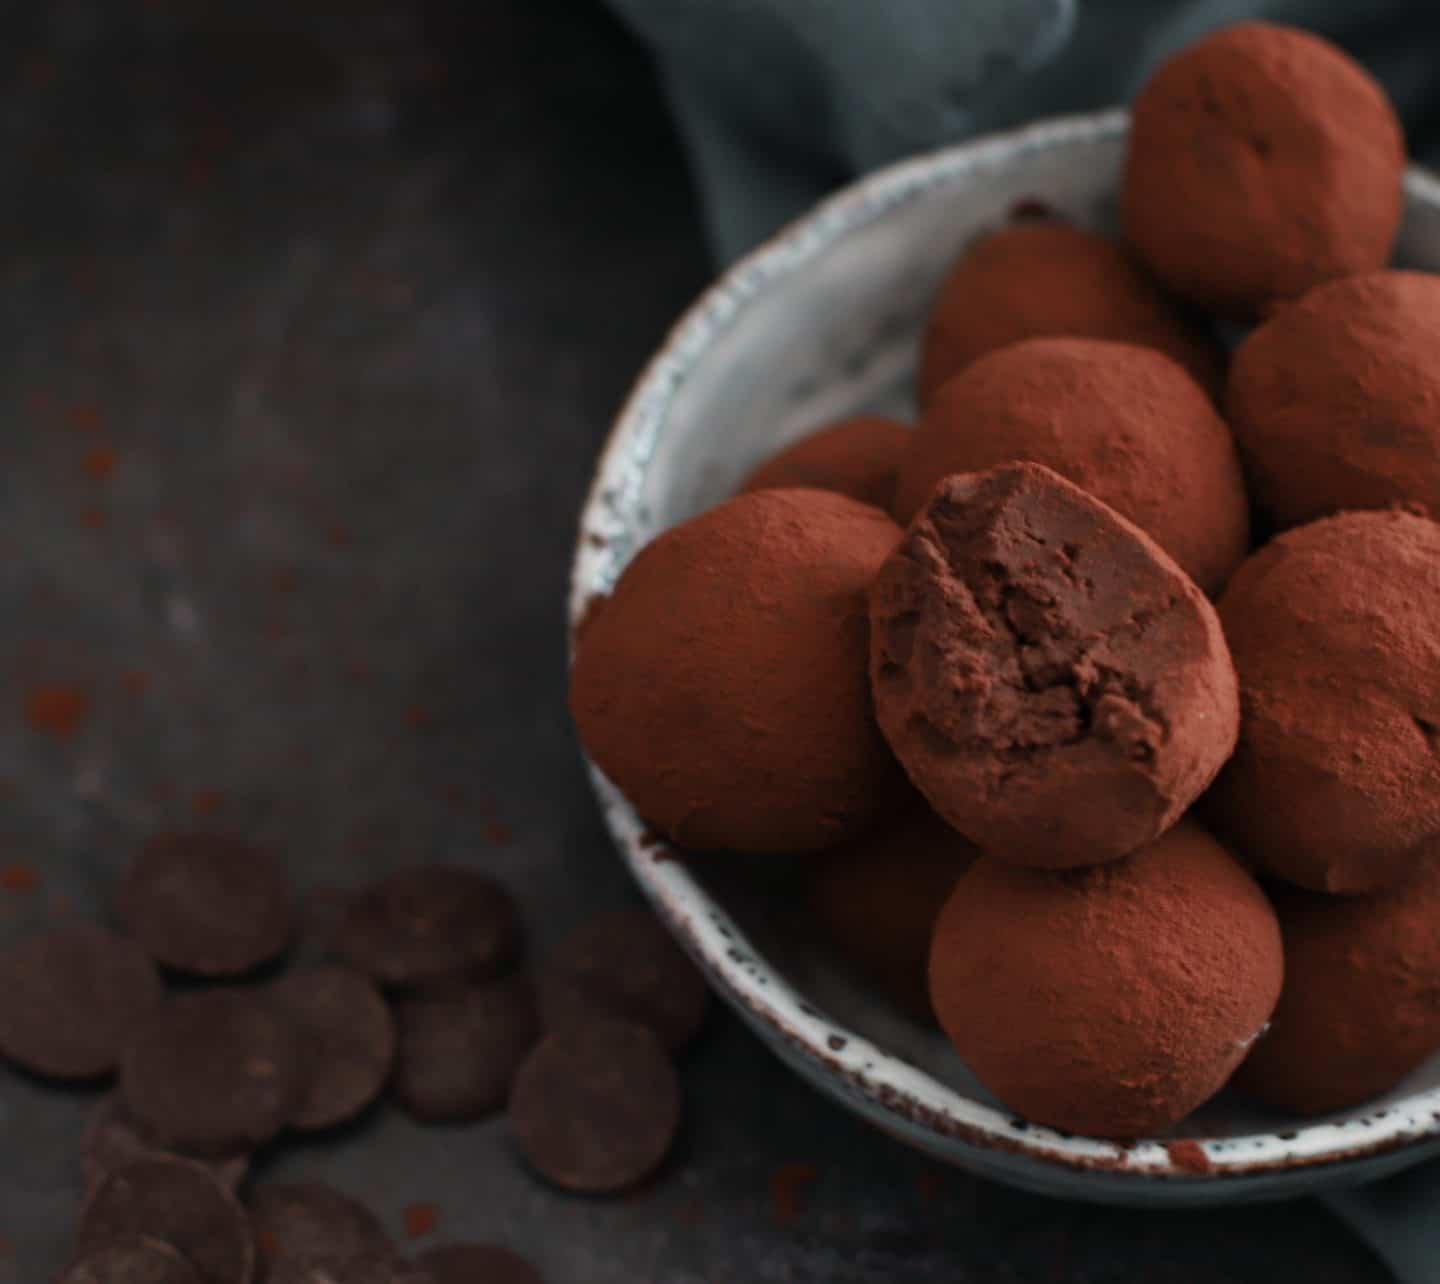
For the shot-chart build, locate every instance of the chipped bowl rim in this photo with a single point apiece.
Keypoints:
(893, 1094)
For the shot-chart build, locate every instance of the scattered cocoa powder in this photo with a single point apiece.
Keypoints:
(98, 463)
(789, 1184)
(57, 709)
(18, 877)
(421, 1220)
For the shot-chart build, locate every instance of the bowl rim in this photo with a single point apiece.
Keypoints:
(895, 1095)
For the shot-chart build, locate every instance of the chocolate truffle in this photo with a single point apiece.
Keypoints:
(723, 686)
(1109, 1001)
(1053, 683)
(1042, 279)
(876, 899)
(1123, 422)
(1262, 161)
(856, 457)
(1361, 1005)
(1336, 399)
(1335, 630)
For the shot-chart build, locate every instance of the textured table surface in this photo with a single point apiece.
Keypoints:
(312, 326)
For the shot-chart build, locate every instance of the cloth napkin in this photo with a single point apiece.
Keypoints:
(780, 101)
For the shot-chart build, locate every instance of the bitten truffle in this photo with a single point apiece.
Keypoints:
(876, 899)
(1361, 1005)
(856, 457)
(1109, 1001)
(1048, 278)
(723, 687)
(1122, 422)
(1336, 400)
(1052, 682)
(1262, 161)
(1335, 631)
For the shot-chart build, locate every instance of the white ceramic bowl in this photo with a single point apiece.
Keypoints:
(820, 322)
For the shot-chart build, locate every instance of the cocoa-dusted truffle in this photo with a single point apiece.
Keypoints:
(876, 899)
(1053, 683)
(1335, 630)
(1361, 1005)
(723, 686)
(1109, 1001)
(1038, 279)
(856, 457)
(1262, 161)
(1336, 399)
(1123, 422)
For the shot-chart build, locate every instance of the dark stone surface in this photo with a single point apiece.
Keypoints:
(352, 288)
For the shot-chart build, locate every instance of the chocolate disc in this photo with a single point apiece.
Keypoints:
(207, 904)
(182, 1205)
(307, 1222)
(624, 965)
(70, 1000)
(430, 924)
(595, 1107)
(471, 1263)
(114, 1138)
(460, 1048)
(347, 1042)
(213, 1073)
(131, 1259)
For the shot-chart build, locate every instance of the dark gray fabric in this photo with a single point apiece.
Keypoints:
(779, 101)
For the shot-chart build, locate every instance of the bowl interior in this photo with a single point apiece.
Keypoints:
(823, 322)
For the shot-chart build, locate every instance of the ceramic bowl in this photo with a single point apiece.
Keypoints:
(820, 322)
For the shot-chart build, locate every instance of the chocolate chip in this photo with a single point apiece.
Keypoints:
(428, 925)
(595, 1107)
(460, 1048)
(115, 1138)
(70, 1000)
(470, 1263)
(627, 966)
(213, 1073)
(347, 1042)
(207, 904)
(182, 1205)
(130, 1259)
(307, 1223)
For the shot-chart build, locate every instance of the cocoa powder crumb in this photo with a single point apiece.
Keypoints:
(789, 1184)
(420, 1220)
(1188, 1155)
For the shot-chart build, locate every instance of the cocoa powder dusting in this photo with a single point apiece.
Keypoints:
(1044, 279)
(1122, 422)
(723, 686)
(1054, 684)
(1262, 160)
(1129, 991)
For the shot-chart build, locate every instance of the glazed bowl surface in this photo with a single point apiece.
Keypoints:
(824, 321)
